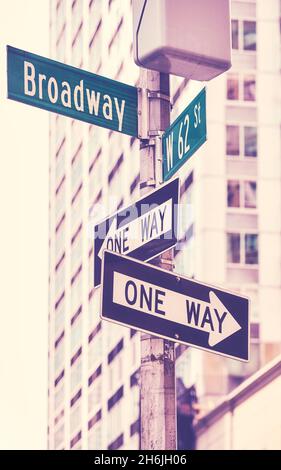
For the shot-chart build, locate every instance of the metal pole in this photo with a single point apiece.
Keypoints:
(158, 397)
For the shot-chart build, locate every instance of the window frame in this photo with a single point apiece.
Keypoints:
(242, 263)
(241, 22)
(241, 78)
(241, 209)
(241, 127)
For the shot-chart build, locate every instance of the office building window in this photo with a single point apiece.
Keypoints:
(95, 48)
(77, 13)
(242, 194)
(95, 351)
(115, 168)
(59, 417)
(76, 374)
(75, 440)
(61, 44)
(95, 431)
(242, 248)
(233, 193)
(241, 87)
(95, 175)
(59, 354)
(234, 34)
(243, 35)
(241, 141)
(115, 415)
(249, 35)
(77, 46)
(59, 437)
(60, 130)
(60, 15)
(232, 140)
(251, 248)
(59, 378)
(249, 88)
(76, 168)
(60, 161)
(134, 184)
(115, 369)
(250, 141)
(95, 437)
(59, 318)
(59, 396)
(233, 247)
(60, 202)
(117, 443)
(134, 402)
(95, 394)
(233, 87)
(76, 289)
(250, 194)
(114, 44)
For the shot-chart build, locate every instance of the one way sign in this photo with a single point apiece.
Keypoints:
(144, 230)
(165, 304)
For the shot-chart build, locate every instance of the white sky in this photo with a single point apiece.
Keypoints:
(24, 240)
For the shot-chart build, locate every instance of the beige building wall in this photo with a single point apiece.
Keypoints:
(247, 419)
(236, 194)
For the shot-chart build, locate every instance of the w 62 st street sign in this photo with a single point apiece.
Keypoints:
(165, 304)
(70, 91)
(184, 136)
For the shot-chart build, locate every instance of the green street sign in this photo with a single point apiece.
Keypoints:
(184, 136)
(73, 92)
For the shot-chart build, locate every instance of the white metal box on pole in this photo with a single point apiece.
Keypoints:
(189, 38)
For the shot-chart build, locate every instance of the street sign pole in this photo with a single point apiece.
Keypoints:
(158, 395)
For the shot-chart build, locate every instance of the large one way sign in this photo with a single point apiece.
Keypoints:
(165, 304)
(144, 229)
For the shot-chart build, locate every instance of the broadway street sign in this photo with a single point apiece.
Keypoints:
(67, 90)
(184, 136)
(145, 229)
(165, 304)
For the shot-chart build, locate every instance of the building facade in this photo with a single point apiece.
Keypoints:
(249, 418)
(230, 219)
(236, 185)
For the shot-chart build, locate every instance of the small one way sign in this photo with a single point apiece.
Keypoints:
(165, 304)
(144, 229)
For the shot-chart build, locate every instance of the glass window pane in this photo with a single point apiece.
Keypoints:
(249, 35)
(232, 140)
(233, 194)
(250, 191)
(250, 140)
(234, 33)
(232, 87)
(233, 247)
(249, 88)
(251, 249)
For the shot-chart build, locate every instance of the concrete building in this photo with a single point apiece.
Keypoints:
(236, 185)
(231, 219)
(93, 397)
(249, 418)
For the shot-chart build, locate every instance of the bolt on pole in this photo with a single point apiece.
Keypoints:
(158, 395)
